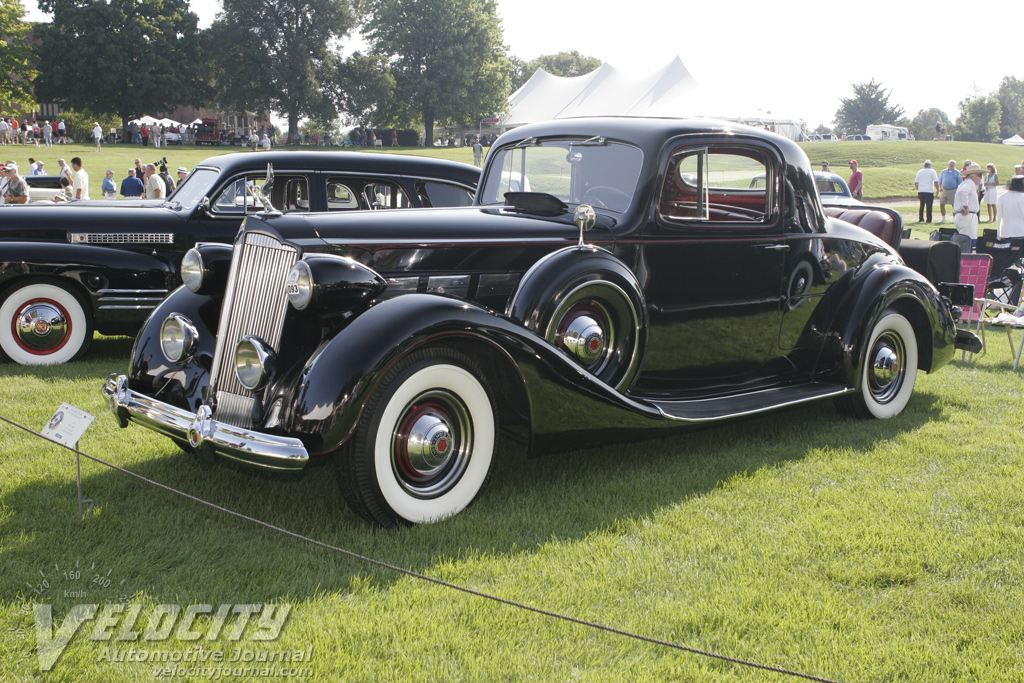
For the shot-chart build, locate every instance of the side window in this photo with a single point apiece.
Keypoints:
(237, 197)
(716, 184)
(294, 195)
(341, 197)
(442, 194)
(386, 196)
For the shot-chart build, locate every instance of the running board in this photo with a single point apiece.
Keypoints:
(724, 407)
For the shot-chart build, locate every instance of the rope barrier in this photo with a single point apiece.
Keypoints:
(431, 579)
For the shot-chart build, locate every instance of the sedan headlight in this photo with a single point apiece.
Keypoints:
(255, 362)
(192, 270)
(299, 285)
(178, 338)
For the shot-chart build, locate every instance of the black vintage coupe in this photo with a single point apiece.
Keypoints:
(615, 277)
(67, 270)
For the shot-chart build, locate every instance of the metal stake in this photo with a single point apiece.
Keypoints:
(81, 501)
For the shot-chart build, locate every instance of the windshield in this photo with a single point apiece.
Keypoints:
(577, 171)
(192, 189)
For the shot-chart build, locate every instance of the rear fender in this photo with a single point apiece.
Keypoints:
(888, 286)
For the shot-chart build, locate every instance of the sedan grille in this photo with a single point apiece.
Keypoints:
(254, 304)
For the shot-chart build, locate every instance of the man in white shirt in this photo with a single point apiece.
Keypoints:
(155, 188)
(966, 204)
(1010, 209)
(79, 181)
(927, 183)
(4, 130)
(65, 170)
(97, 134)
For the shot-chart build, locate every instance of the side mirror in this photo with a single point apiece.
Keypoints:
(204, 205)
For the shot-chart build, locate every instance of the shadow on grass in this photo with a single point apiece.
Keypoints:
(173, 549)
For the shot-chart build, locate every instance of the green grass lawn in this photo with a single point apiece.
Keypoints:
(859, 551)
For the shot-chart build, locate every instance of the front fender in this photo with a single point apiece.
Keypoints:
(558, 397)
(115, 282)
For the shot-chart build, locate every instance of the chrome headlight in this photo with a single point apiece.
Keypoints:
(255, 362)
(299, 285)
(178, 338)
(192, 270)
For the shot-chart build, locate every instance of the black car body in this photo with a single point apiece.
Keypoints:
(73, 268)
(615, 277)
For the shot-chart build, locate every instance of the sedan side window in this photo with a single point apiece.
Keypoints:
(443, 194)
(716, 184)
(340, 196)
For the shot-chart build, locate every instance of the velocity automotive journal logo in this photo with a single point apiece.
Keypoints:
(116, 623)
(107, 613)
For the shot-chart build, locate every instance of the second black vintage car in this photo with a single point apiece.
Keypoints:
(616, 277)
(70, 269)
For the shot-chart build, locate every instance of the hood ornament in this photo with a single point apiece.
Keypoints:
(584, 218)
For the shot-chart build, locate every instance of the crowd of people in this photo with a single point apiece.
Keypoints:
(13, 132)
(148, 181)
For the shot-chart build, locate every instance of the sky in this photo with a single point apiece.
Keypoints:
(794, 59)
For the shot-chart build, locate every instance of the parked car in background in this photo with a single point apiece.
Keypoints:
(616, 277)
(42, 188)
(74, 268)
(858, 138)
(831, 187)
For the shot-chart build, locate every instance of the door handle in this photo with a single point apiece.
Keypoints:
(774, 247)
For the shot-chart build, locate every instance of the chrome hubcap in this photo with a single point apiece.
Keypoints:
(432, 444)
(887, 367)
(41, 327)
(585, 339)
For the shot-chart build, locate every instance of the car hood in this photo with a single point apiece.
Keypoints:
(426, 226)
(55, 221)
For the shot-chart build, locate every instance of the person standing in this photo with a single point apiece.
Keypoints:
(927, 183)
(132, 186)
(39, 169)
(182, 173)
(266, 143)
(949, 180)
(394, 138)
(61, 132)
(109, 189)
(65, 170)
(155, 188)
(144, 132)
(966, 205)
(32, 166)
(80, 180)
(140, 172)
(856, 181)
(97, 134)
(825, 168)
(16, 190)
(5, 129)
(48, 134)
(1010, 209)
(478, 152)
(991, 192)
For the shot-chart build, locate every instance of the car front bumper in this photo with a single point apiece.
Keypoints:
(201, 431)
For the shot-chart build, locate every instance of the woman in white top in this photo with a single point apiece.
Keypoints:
(991, 191)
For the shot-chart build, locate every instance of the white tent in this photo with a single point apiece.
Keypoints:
(1015, 140)
(670, 91)
(148, 120)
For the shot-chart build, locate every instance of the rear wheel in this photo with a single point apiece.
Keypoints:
(43, 324)
(425, 445)
(890, 370)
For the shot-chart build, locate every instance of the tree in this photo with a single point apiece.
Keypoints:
(123, 57)
(869, 105)
(564, 64)
(1011, 101)
(446, 56)
(979, 120)
(277, 54)
(365, 86)
(923, 125)
(16, 57)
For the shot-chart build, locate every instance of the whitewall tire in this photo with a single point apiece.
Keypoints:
(43, 324)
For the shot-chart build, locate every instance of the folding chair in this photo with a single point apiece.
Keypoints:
(1009, 317)
(975, 270)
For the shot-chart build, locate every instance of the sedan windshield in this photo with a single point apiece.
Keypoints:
(577, 171)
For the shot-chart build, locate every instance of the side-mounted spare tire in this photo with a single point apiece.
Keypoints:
(588, 304)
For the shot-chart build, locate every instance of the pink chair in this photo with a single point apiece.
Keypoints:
(975, 269)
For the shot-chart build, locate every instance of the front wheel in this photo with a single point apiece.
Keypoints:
(425, 444)
(43, 324)
(890, 369)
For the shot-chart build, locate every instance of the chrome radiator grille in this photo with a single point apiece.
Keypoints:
(254, 303)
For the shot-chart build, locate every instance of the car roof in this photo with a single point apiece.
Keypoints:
(395, 164)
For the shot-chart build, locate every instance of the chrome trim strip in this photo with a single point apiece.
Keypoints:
(154, 292)
(120, 238)
(139, 307)
(265, 451)
(751, 411)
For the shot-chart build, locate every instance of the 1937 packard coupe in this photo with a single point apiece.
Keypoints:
(615, 277)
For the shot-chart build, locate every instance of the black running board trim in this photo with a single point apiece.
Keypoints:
(724, 407)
